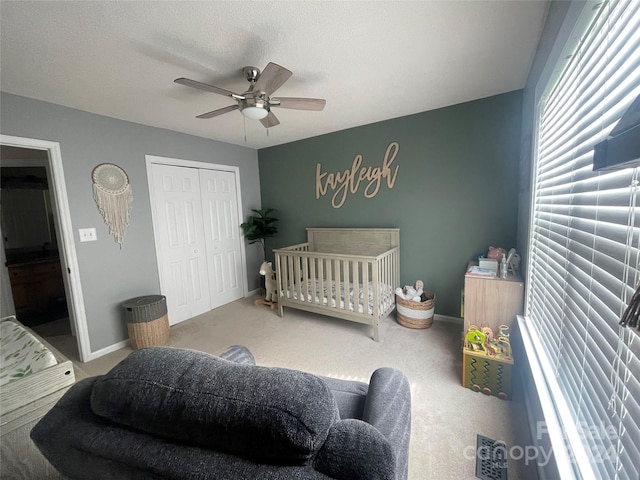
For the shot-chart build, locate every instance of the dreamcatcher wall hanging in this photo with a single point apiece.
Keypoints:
(113, 196)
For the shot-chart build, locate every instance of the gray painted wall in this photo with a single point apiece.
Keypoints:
(456, 190)
(108, 274)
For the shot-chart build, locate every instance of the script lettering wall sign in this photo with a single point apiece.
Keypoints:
(348, 181)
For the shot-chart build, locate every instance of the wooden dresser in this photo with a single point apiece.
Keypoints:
(490, 303)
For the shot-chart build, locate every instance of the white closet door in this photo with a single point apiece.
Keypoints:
(222, 235)
(180, 236)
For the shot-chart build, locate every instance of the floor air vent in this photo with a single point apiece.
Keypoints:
(491, 459)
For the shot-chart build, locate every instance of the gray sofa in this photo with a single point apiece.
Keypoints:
(181, 414)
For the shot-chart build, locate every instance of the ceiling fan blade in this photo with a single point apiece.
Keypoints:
(315, 104)
(270, 120)
(272, 78)
(220, 111)
(205, 86)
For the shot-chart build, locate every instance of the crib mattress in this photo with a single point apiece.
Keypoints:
(22, 353)
(322, 297)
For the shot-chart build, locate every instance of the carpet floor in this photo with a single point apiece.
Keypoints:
(446, 418)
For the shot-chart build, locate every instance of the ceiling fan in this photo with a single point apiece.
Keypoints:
(256, 102)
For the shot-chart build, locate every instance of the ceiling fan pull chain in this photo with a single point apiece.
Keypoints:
(244, 122)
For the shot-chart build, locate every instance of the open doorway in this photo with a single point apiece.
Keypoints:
(30, 243)
(39, 245)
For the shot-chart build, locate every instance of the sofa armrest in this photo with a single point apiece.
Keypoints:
(238, 354)
(388, 408)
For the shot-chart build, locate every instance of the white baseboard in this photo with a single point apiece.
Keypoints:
(106, 350)
(252, 293)
(448, 319)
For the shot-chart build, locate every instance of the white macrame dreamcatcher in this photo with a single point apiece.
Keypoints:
(113, 195)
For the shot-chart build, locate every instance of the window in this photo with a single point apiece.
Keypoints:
(585, 247)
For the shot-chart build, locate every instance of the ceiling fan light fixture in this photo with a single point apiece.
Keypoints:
(254, 106)
(255, 113)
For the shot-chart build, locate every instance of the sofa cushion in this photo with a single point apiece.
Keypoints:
(355, 450)
(273, 415)
(350, 396)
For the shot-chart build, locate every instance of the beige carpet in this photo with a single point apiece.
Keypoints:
(445, 416)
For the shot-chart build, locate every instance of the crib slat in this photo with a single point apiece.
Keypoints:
(343, 285)
(346, 279)
(384, 281)
(385, 273)
(296, 271)
(365, 282)
(346, 283)
(337, 280)
(285, 284)
(337, 268)
(397, 269)
(336, 284)
(279, 274)
(329, 282)
(321, 282)
(356, 288)
(305, 276)
(388, 285)
(291, 284)
(375, 282)
(314, 284)
(292, 280)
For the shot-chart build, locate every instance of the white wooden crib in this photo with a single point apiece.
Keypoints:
(348, 273)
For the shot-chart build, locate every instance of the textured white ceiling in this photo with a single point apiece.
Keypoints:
(372, 61)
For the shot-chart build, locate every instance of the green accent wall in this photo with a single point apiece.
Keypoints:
(456, 190)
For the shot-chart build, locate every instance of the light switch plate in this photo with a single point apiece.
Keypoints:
(87, 234)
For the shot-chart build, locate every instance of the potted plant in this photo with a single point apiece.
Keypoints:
(259, 227)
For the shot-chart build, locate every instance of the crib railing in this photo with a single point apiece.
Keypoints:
(354, 285)
(389, 267)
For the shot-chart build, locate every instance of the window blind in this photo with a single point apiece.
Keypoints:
(584, 249)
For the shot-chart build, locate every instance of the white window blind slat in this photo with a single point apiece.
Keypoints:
(592, 415)
(585, 244)
(580, 126)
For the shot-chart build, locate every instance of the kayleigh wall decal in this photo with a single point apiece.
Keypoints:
(113, 196)
(349, 180)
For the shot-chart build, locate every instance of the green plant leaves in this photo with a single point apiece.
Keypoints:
(260, 226)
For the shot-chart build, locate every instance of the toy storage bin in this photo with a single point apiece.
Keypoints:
(413, 314)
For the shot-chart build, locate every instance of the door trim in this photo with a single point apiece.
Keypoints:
(67, 246)
(176, 162)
